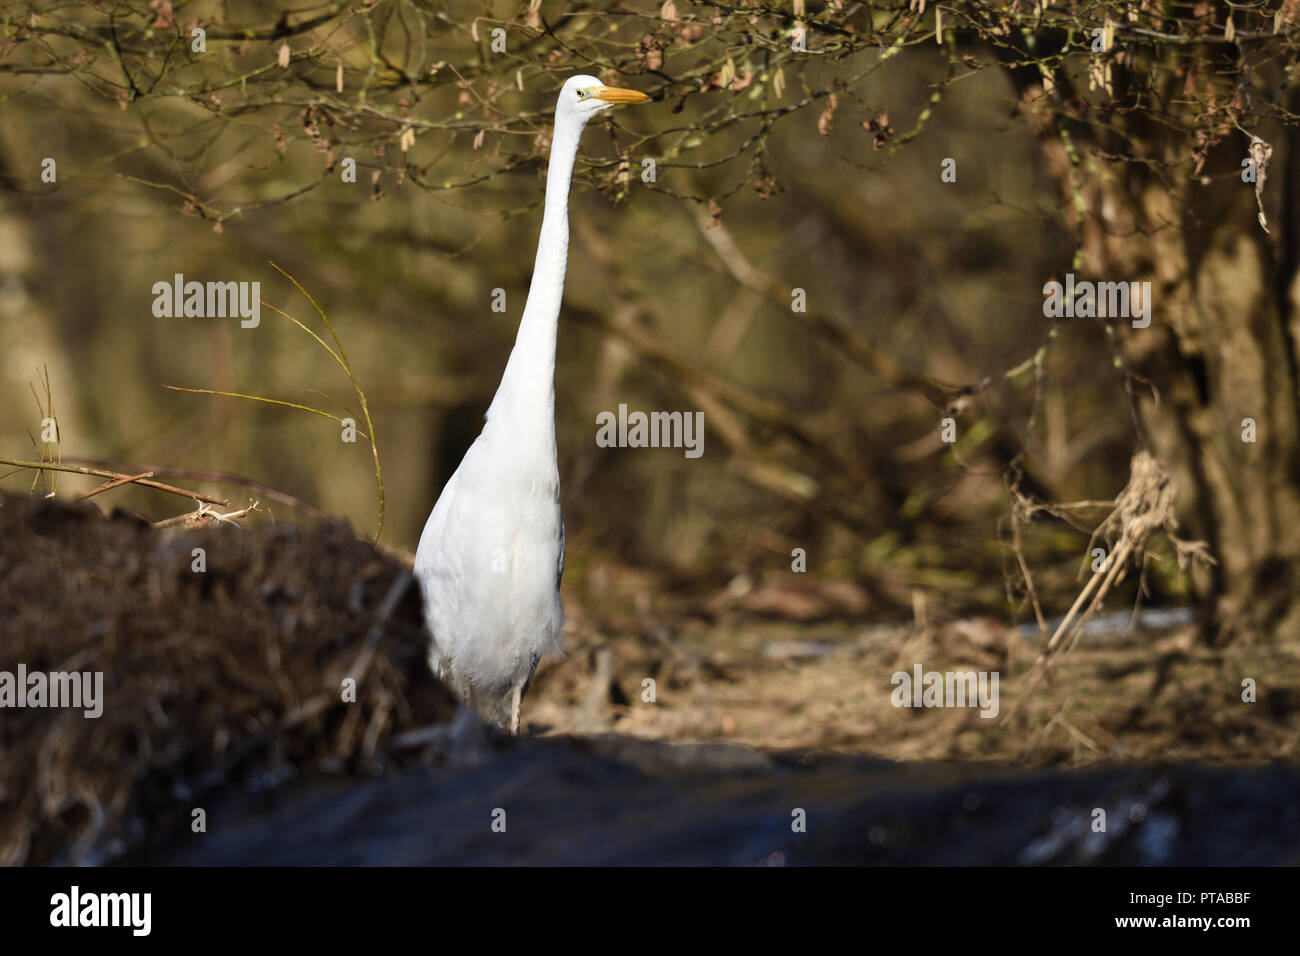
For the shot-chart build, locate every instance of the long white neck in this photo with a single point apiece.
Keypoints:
(527, 389)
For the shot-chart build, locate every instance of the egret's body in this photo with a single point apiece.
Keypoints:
(492, 553)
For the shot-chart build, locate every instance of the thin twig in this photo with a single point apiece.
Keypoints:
(216, 477)
(110, 485)
(206, 514)
(100, 473)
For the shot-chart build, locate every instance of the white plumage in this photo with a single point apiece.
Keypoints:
(492, 552)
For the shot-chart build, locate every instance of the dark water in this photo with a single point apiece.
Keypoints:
(620, 801)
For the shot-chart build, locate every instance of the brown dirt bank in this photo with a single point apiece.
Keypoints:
(233, 673)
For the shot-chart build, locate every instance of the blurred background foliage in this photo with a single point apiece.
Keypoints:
(776, 170)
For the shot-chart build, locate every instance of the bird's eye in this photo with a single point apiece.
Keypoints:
(583, 94)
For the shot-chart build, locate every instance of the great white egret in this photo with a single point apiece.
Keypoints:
(492, 552)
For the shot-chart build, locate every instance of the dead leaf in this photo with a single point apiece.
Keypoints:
(880, 126)
(825, 122)
(1261, 152)
(164, 19)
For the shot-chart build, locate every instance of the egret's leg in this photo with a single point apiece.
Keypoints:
(514, 711)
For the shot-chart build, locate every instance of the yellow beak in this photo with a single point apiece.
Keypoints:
(614, 94)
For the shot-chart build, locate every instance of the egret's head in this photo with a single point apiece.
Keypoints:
(584, 96)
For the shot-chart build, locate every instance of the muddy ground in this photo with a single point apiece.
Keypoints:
(223, 693)
(774, 663)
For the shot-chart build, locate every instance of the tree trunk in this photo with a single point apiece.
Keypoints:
(1223, 345)
(1222, 353)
